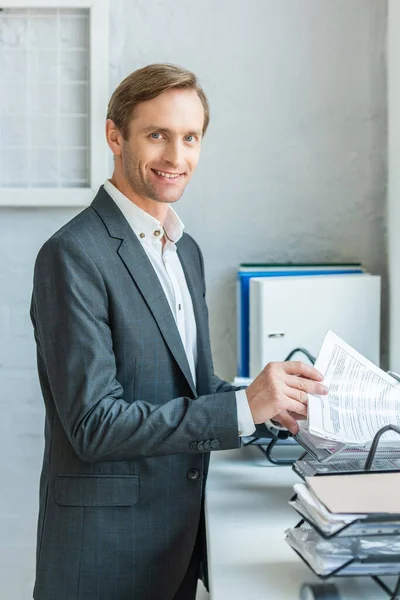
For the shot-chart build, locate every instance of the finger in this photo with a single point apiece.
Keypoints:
(306, 385)
(288, 421)
(297, 416)
(298, 395)
(294, 406)
(296, 367)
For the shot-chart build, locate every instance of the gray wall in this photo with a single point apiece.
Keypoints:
(293, 169)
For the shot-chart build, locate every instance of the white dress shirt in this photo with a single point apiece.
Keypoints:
(168, 268)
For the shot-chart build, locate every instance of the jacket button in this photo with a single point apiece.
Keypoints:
(207, 445)
(214, 444)
(200, 445)
(193, 474)
(193, 445)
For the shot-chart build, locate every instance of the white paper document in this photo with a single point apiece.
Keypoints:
(346, 553)
(362, 398)
(309, 506)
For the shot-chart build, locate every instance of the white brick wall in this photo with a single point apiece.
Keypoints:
(21, 407)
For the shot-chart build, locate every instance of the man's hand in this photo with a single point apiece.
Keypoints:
(282, 388)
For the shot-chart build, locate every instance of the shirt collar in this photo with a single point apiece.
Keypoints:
(144, 225)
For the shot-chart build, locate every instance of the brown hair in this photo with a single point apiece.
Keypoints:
(148, 83)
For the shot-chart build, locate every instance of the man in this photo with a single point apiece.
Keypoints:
(133, 406)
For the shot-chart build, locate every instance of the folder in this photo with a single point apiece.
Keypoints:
(363, 493)
(296, 312)
(249, 270)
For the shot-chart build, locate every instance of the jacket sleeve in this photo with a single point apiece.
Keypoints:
(69, 312)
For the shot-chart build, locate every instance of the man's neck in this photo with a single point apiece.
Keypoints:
(158, 210)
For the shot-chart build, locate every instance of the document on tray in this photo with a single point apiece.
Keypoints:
(361, 400)
(325, 556)
(365, 540)
(312, 509)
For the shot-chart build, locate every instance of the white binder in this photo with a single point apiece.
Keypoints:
(291, 312)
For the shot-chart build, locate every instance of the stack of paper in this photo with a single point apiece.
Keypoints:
(325, 556)
(334, 504)
(362, 398)
(332, 501)
(314, 511)
(365, 493)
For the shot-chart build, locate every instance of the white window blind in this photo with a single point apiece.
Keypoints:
(49, 119)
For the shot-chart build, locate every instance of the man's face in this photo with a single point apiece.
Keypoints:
(163, 148)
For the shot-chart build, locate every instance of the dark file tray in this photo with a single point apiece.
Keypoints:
(337, 451)
(305, 439)
(375, 524)
(386, 461)
(368, 566)
(379, 524)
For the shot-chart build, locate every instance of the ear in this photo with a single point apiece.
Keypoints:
(114, 138)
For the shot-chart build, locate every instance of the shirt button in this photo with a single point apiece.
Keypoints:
(157, 232)
(142, 235)
(193, 474)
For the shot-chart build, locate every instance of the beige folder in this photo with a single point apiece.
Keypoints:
(362, 493)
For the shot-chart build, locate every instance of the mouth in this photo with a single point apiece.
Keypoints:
(168, 177)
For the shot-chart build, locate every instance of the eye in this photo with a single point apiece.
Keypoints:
(155, 134)
(189, 140)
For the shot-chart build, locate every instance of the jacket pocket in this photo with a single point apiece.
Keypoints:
(97, 490)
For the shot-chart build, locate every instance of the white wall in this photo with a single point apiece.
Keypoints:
(293, 168)
(393, 46)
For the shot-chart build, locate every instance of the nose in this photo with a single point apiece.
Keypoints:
(174, 154)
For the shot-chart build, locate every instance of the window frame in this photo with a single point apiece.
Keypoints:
(98, 100)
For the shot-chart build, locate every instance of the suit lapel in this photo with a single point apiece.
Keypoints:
(201, 323)
(141, 270)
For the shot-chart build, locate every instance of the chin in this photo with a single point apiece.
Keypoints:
(168, 200)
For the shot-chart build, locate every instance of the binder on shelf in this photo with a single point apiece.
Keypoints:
(249, 270)
(287, 313)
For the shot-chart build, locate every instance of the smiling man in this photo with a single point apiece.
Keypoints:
(159, 148)
(133, 406)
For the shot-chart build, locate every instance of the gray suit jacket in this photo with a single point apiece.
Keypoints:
(127, 433)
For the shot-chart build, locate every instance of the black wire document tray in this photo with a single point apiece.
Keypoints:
(385, 461)
(349, 556)
(325, 457)
(366, 545)
(319, 448)
(378, 524)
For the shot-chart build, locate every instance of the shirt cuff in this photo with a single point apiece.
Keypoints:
(245, 420)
